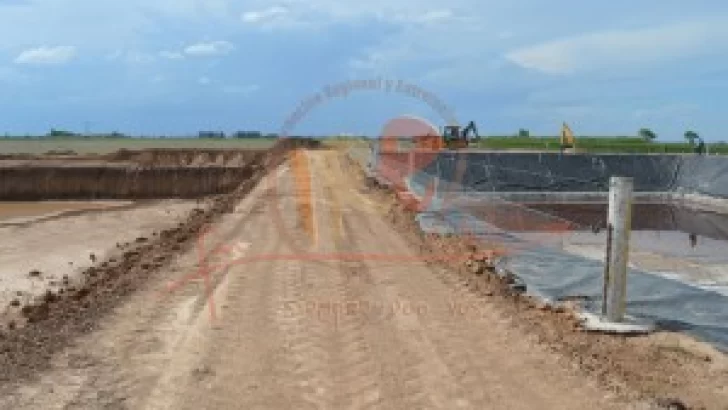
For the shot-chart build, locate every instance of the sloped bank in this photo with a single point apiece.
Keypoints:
(486, 193)
(75, 181)
(125, 174)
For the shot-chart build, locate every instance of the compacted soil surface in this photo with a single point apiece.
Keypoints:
(310, 288)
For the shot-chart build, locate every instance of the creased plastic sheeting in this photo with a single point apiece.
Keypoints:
(528, 172)
(672, 305)
(703, 175)
(506, 172)
(555, 276)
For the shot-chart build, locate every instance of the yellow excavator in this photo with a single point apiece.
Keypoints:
(567, 139)
(453, 137)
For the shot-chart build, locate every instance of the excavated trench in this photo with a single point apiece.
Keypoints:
(126, 174)
(32, 331)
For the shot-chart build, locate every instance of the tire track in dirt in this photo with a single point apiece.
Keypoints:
(359, 365)
(427, 379)
(169, 331)
(315, 329)
(223, 335)
(474, 344)
(276, 357)
(402, 381)
(222, 253)
(237, 357)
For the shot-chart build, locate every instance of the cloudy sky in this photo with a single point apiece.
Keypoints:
(178, 66)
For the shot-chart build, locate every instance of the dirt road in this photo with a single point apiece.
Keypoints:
(317, 316)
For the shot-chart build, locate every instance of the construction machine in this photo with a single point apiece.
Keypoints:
(453, 137)
(567, 138)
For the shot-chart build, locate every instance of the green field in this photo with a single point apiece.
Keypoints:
(598, 145)
(105, 146)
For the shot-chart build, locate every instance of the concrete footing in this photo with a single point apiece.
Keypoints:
(629, 326)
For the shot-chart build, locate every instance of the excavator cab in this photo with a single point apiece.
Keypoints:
(455, 138)
(451, 133)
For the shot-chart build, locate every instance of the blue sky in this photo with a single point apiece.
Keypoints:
(178, 66)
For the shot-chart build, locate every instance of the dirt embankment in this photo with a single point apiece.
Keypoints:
(670, 369)
(32, 333)
(103, 182)
(183, 157)
(125, 174)
(148, 158)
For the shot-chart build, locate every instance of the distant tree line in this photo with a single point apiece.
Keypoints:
(644, 134)
(56, 133)
(59, 133)
(237, 134)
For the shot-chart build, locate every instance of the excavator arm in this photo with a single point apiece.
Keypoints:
(567, 137)
(471, 129)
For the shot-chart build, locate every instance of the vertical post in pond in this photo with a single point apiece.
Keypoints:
(619, 223)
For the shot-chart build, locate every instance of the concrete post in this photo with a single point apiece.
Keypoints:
(619, 226)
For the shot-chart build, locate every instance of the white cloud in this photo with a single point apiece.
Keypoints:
(283, 17)
(608, 49)
(319, 13)
(215, 48)
(204, 80)
(171, 55)
(271, 13)
(47, 55)
(202, 49)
